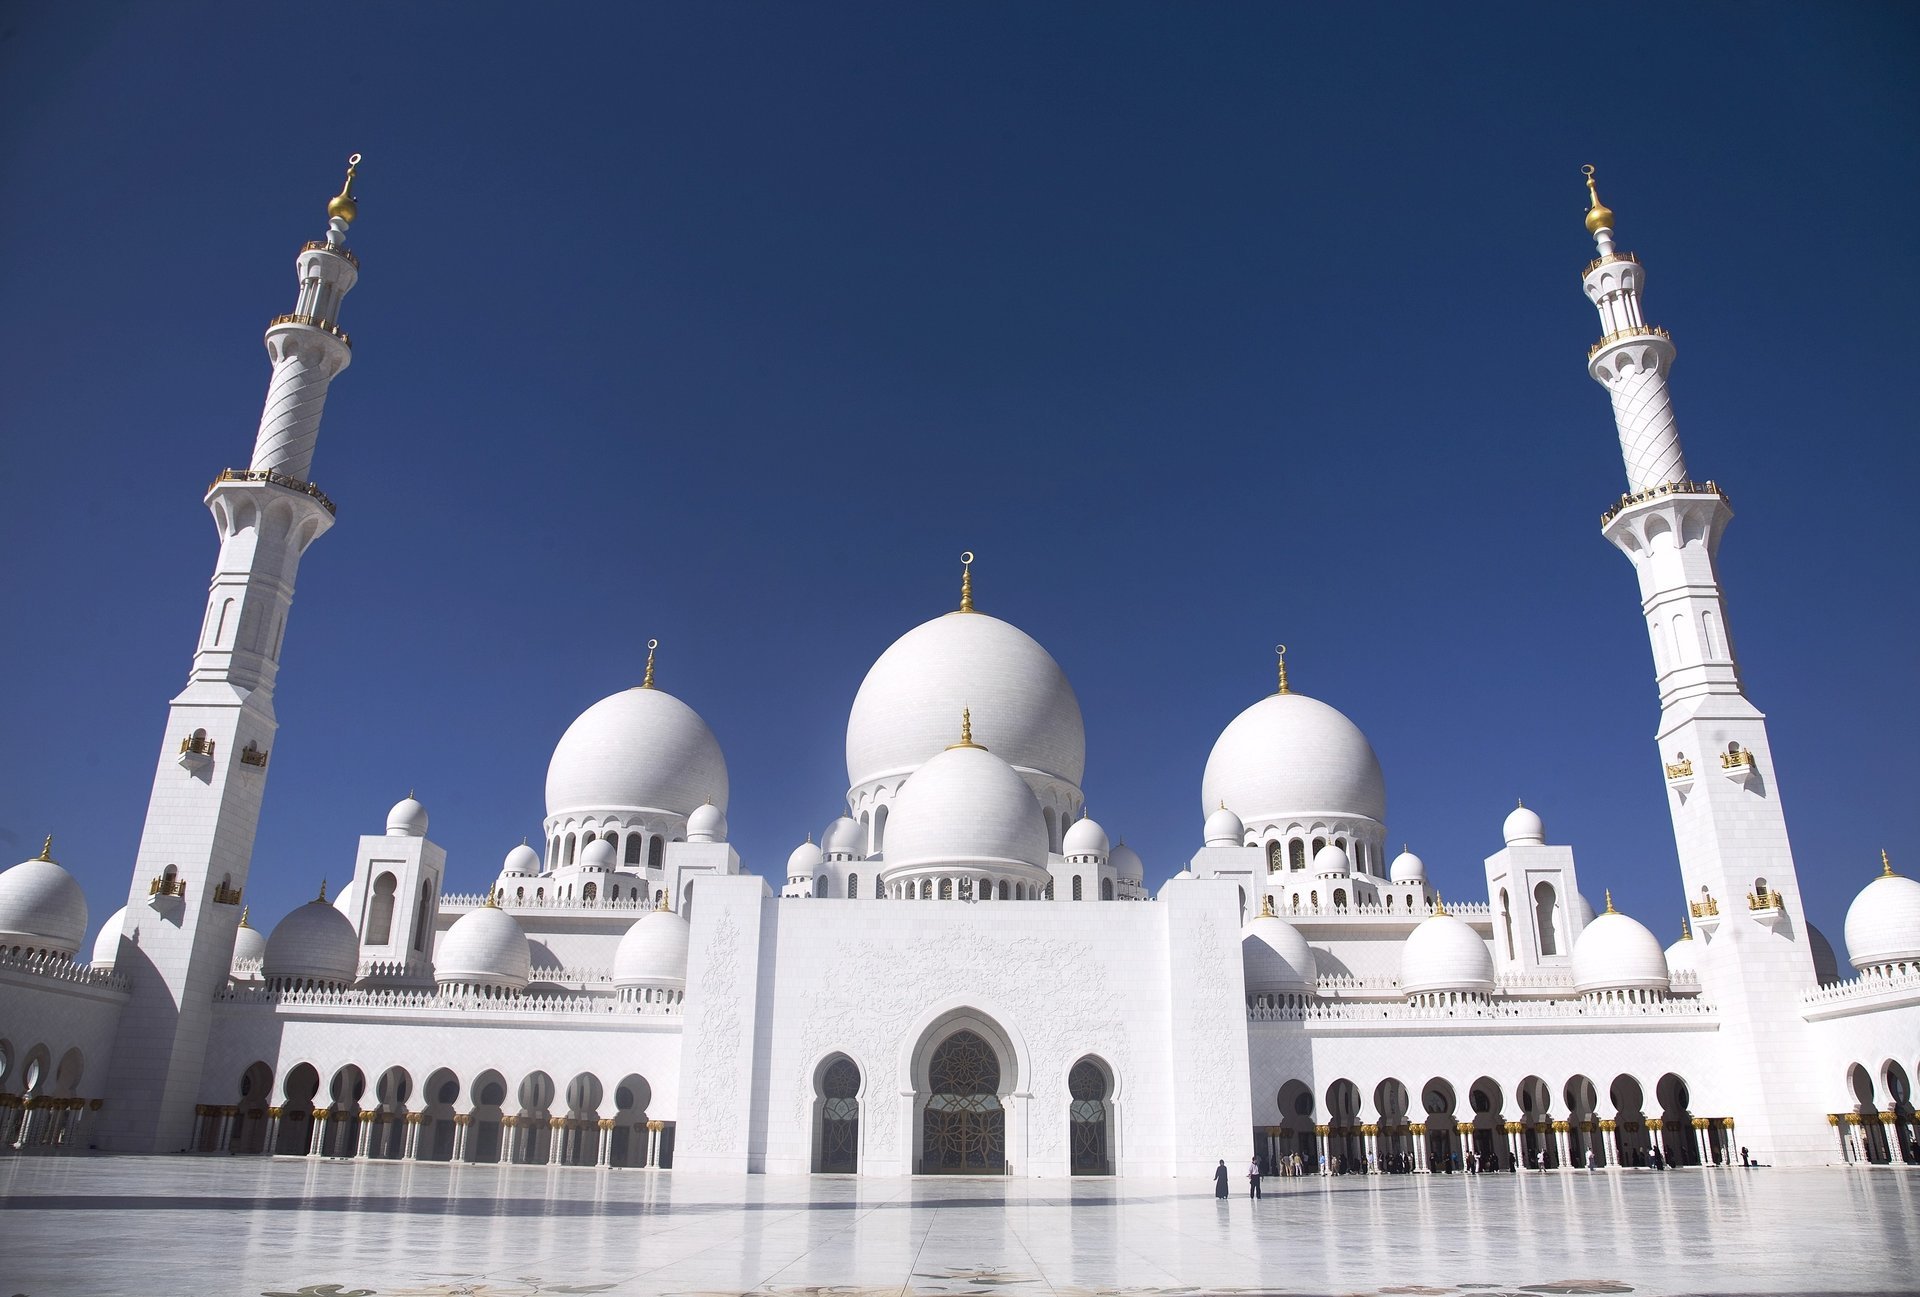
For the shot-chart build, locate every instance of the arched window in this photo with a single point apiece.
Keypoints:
(879, 830)
(1506, 923)
(519, 893)
(1297, 854)
(553, 853)
(853, 887)
(966, 889)
(590, 892)
(1049, 892)
(1087, 1119)
(1339, 898)
(1076, 887)
(1544, 906)
(926, 889)
(946, 889)
(380, 911)
(567, 856)
(1106, 889)
(964, 1126)
(840, 1118)
(656, 852)
(636, 843)
(1005, 891)
(1317, 844)
(1313, 898)
(1275, 857)
(423, 919)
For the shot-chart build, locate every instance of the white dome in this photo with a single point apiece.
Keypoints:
(599, 854)
(1826, 968)
(42, 907)
(407, 819)
(249, 951)
(485, 947)
(1085, 837)
(708, 823)
(1883, 923)
(1444, 954)
(315, 942)
(1617, 953)
(804, 859)
(1523, 828)
(106, 946)
(1276, 957)
(348, 902)
(522, 861)
(1126, 863)
(653, 953)
(966, 806)
(1407, 868)
(1223, 829)
(1023, 708)
(1680, 956)
(1290, 756)
(1331, 861)
(639, 750)
(844, 837)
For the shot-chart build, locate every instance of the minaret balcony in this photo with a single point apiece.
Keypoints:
(1592, 266)
(1705, 912)
(327, 327)
(341, 250)
(1680, 776)
(1622, 335)
(1633, 498)
(1737, 764)
(1767, 907)
(196, 751)
(253, 755)
(276, 479)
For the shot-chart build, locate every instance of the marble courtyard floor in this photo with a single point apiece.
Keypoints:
(163, 1226)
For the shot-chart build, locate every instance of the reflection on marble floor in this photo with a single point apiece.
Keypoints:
(153, 1227)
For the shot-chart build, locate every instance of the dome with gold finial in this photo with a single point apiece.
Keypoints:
(1599, 215)
(1883, 923)
(344, 206)
(966, 806)
(1290, 756)
(42, 908)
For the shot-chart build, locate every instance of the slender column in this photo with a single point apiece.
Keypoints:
(557, 1144)
(29, 1112)
(462, 1124)
(199, 1132)
(410, 1149)
(317, 1134)
(511, 1141)
(604, 1154)
(369, 1122)
(236, 1122)
(1419, 1133)
(273, 1131)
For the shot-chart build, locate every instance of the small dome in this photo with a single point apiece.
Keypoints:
(407, 819)
(1331, 861)
(1524, 829)
(966, 806)
(249, 952)
(1617, 953)
(1407, 868)
(1883, 923)
(1680, 956)
(1085, 837)
(599, 854)
(315, 942)
(804, 859)
(844, 837)
(708, 823)
(1224, 829)
(42, 907)
(638, 750)
(653, 953)
(522, 862)
(1276, 957)
(348, 902)
(1126, 864)
(1290, 756)
(1444, 954)
(1826, 968)
(106, 946)
(485, 947)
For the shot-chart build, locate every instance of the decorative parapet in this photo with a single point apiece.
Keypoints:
(1598, 262)
(253, 755)
(62, 970)
(1358, 987)
(312, 322)
(1632, 498)
(275, 479)
(1295, 1008)
(1704, 909)
(1879, 987)
(1631, 331)
(1681, 769)
(341, 250)
(196, 745)
(168, 885)
(476, 900)
(447, 1001)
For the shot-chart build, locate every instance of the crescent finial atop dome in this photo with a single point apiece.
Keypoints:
(1599, 215)
(966, 582)
(344, 206)
(646, 681)
(1281, 651)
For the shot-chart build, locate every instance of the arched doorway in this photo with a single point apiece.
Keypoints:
(964, 1125)
(484, 1117)
(1442, 1133)
(630, 1134)
(581, 1132)
(1538, 1149)
(1346, 1151)
(392, 1091)
(296, 1110)
(533, 1132)
(1090, 1118)
(1491, 1149)
(341, 1138)
(1395, 1141)
(256, 1092)
(1297, 1137)
(1584, 1145)
(437, 1126)
(837, 1100)
(1677, 1142)
(1900, 1093)
(1873, 1138)
(1629, 1123)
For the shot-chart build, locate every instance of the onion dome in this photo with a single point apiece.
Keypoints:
(1444, 954)
(903, 715)
(1331, 862)
(522, 862)
(1085, 837)
(484, 947)
(844, 837)
(407, 819)
(966, 806)
(639, 750)
(106, 946)
(1290, 756)
(804, 860)
(1523, 828)
(1126, 864)
(315, 943)
(1599, 215)
(599, 855)
(249, 952)
(1680, 955)
(41, 906)
(1407, 868)
(1826, 967)
(1276, 957)
(708, 823)
(1617, 953)
(1223, 829)
(653, 953)
(1883, 923)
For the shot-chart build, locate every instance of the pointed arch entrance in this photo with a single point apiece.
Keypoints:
(837, 1117)
(1090, 1118)
(964, 1124)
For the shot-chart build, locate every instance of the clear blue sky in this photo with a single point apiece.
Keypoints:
(1205, 325)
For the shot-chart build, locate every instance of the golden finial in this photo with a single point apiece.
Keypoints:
(1610, 909)
(344, 205)
(647, 681)
(1886, 864)
(1599, 215)
(1266, 907)
(966, 731)
(1686, 930)
(46, 849)
(966, 582)
(663, 907)
(1439, 906)
(244, 911)
(1281, 651)
(491, 903)
(323, 891)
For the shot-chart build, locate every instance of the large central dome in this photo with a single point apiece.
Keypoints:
(1023, 708)
(1290, 756)
(639, 750)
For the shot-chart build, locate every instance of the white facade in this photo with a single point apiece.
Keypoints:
(965, 974)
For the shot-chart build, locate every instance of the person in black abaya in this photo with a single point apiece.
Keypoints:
(1220, 1179)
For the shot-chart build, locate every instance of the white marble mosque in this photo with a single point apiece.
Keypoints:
(626, 994)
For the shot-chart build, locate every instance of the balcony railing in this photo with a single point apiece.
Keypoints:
(1704, 909)
(1592, 266)
(198, 745)
(168, 885)
(1681, 769)
(251, 755)
(1767, 900)
(1631, 331)
(321, 245)
(277, 479)
(1632, 498)
(1736, 760)
(314, 322)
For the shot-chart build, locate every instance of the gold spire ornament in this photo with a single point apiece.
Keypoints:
(244, 911)
(46, 849)
(1610, 909)
(344, 206)
(647, 681)
(491, 903)
(1439, 906)
(1886, 863)
(323, 891)
(1281, 651)
(966, 731)
(1266, 907)
(1686, 930)
(966, 582)
(1599, 215)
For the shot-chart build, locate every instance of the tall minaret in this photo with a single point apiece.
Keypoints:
(1714, 758)
(191, 872)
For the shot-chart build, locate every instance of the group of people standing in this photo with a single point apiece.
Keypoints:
(1473, 1163)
